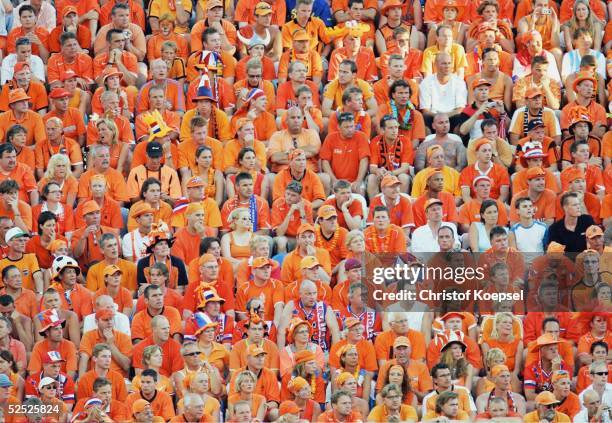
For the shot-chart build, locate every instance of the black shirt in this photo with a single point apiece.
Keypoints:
(574, 241)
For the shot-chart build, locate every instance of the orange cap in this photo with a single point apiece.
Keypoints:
(431, 202)
(401, 341)
(533, 92)
(18, 95)
(195, 182)
(480, 142)
(546, 398)
(141, 208)
(305, 227)
(206, 258)
(288, 407)
(300, 35)
(104, 314)
(560, 374)
(309, 262)
(139, 405)
(342, 378)
(546, 339)
(303, 356)
(498, 369)
(389, 180)
(593, 231)
(297, 384)
(535, 172)
(555, 247)
(111, 270)
(349, 322)
(583, 76)
(452, 314)
(326, 211)
(389, 4)
(90, 207)
(259, 262)
(478, 82)
(255, 350)
(295, 153)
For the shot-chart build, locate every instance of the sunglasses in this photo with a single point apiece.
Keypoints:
(600, 373)
(50, 387)
(191, 354)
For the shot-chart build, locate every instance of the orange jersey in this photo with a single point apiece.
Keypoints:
(393, 241)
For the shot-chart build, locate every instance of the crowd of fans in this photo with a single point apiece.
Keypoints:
(193, 198)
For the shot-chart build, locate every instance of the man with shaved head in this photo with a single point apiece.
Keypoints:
(319, 314)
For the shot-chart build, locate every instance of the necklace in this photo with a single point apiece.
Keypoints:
(320, 239)
(375, 241)
(405, 122)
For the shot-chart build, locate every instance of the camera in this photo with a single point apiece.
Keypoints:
(546, 11)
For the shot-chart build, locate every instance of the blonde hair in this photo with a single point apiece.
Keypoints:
(112, 126)
(148, 352)
(54, 161)
(256, 240)
(497, 321)
(494, 354)
(244, 375)
(235, 215)
(352, 235)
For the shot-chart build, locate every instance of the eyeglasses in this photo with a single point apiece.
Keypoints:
(600, 373)
(191, 354)
(50, 387)
(254, 76)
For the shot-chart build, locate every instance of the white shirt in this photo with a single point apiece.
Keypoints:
(122, 323)
(606, 398)
(519, 71)
(137, 240)
(425, 241)
(46, 17)
(583, 416)
(439, 98)
(8, 63)
(571, 63)
(530, 239)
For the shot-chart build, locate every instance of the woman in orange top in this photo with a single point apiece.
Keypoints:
(16, 135)
(108, 135)
(398, 376)
(307, 368)
(213, 178)
(152, 357)
(248, 163)
(58, 171)
(8, 366)
(79, 99)
(298, 339)
(503, 337)
(235, 244)
(245, 386)
(51, 197)
(254, 107)
(210, 351)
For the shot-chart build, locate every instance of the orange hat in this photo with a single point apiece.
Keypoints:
(288, 407)
(546, 398)
(294, 153)
(305, 227)
(206, 258)
(574, 173)
(349, 322)
(18, 95)
(579, 114)
(555, 247)
(56, 244)
(389, 180)
(196, 182)
(255, 350)
(389, 4)
(295, 323)
(533, 92)
(401, 341)
(111, 269)
(297, 384)
(193, 208)
(49, 319)
(560, 374)
(67, 74)
(213, 3)
(429, 172)
(431, 202)
(535, 172)
(478, 82)
(259, 262)
(59, 93)
(141, 208)
(581, 77)
(140, 405)
(481, 178)
(19, 66)
(108, 72)
(300, 35)
(203, 321)
(342, 378)
(309, 262)
(208, 294)
(459, 5)
(104, 314)
(90, 207)
(486, 26)
(546, 339)
(303, 356)
(68, 10)
(593, 231)
(480, 142)
(432, 149)
(326, 211)
(344, 349)
(263, 8)
(452, 314)
(500, 368)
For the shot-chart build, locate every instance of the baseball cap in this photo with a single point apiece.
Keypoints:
(255, 350)
(111, 270)
(326, 211)
(259, 262)
(263, 8)
(431, 202)
(533, 92)
(389, 181)
(593, 231)
(90, 207)
(535, 172)
(15, 233)
(535, 123)
(154, 150)
(305, 227)
(139, 405)
(401, 341)
(195, 182)
(45, 381)
(309, 262)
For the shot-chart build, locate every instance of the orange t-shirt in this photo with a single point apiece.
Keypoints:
(24, 209)
(82, 66)
(27, 264)
(384, 344)
(186, 246)
(238, 355)
(312, 188)
(41, 348)
(497, 173)
(123, 299)
(26, 157)
(83, 35)
(355, 209)
(292, 292)
(290, 270)
(32, 122)
(115, 184)
(545, 205)
(154, 46)
(285, 95)
(141, 323)
(19, 32)
(85, 384)
(393, 242)
(449, 209)
(129, 60)
(74, 126)
(367, 355)
(344, 155)
(519, 182)
(35, 90)
(123, 343)
(470, 212)
(400, 213)
(280, 209)
(187, 150)
(123, 125)
(271, 293)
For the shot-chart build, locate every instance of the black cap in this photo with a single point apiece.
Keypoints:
(533, 124)
(154, 150)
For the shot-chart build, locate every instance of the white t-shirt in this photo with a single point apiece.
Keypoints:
(439, 98)
(135, 240)
(425, 241)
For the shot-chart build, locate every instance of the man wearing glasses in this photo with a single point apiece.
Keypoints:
(546, 403)
(599, 373)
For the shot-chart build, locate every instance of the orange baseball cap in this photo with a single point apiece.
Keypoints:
(480, 142)
(498, 369)
(259, 262)
(288, 407)
(255, 350)
(326, 211)
(535, 172)
(304, 356)
(431, 202)
(349, 322)
(309, 262)
(401, 341)
(18, 95)
(140, 405)
(560, 374)
(533, 92)
(195, 182)
(68, 10)
(593, 231)
(555, 247)
(206, 258)
(263, 8)
(389, 4)
(111, 270)
(90, 207)
(141, 208)
(305, 227)
(479, 82)
(300, 35)
(389, 181)
(546, 398)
